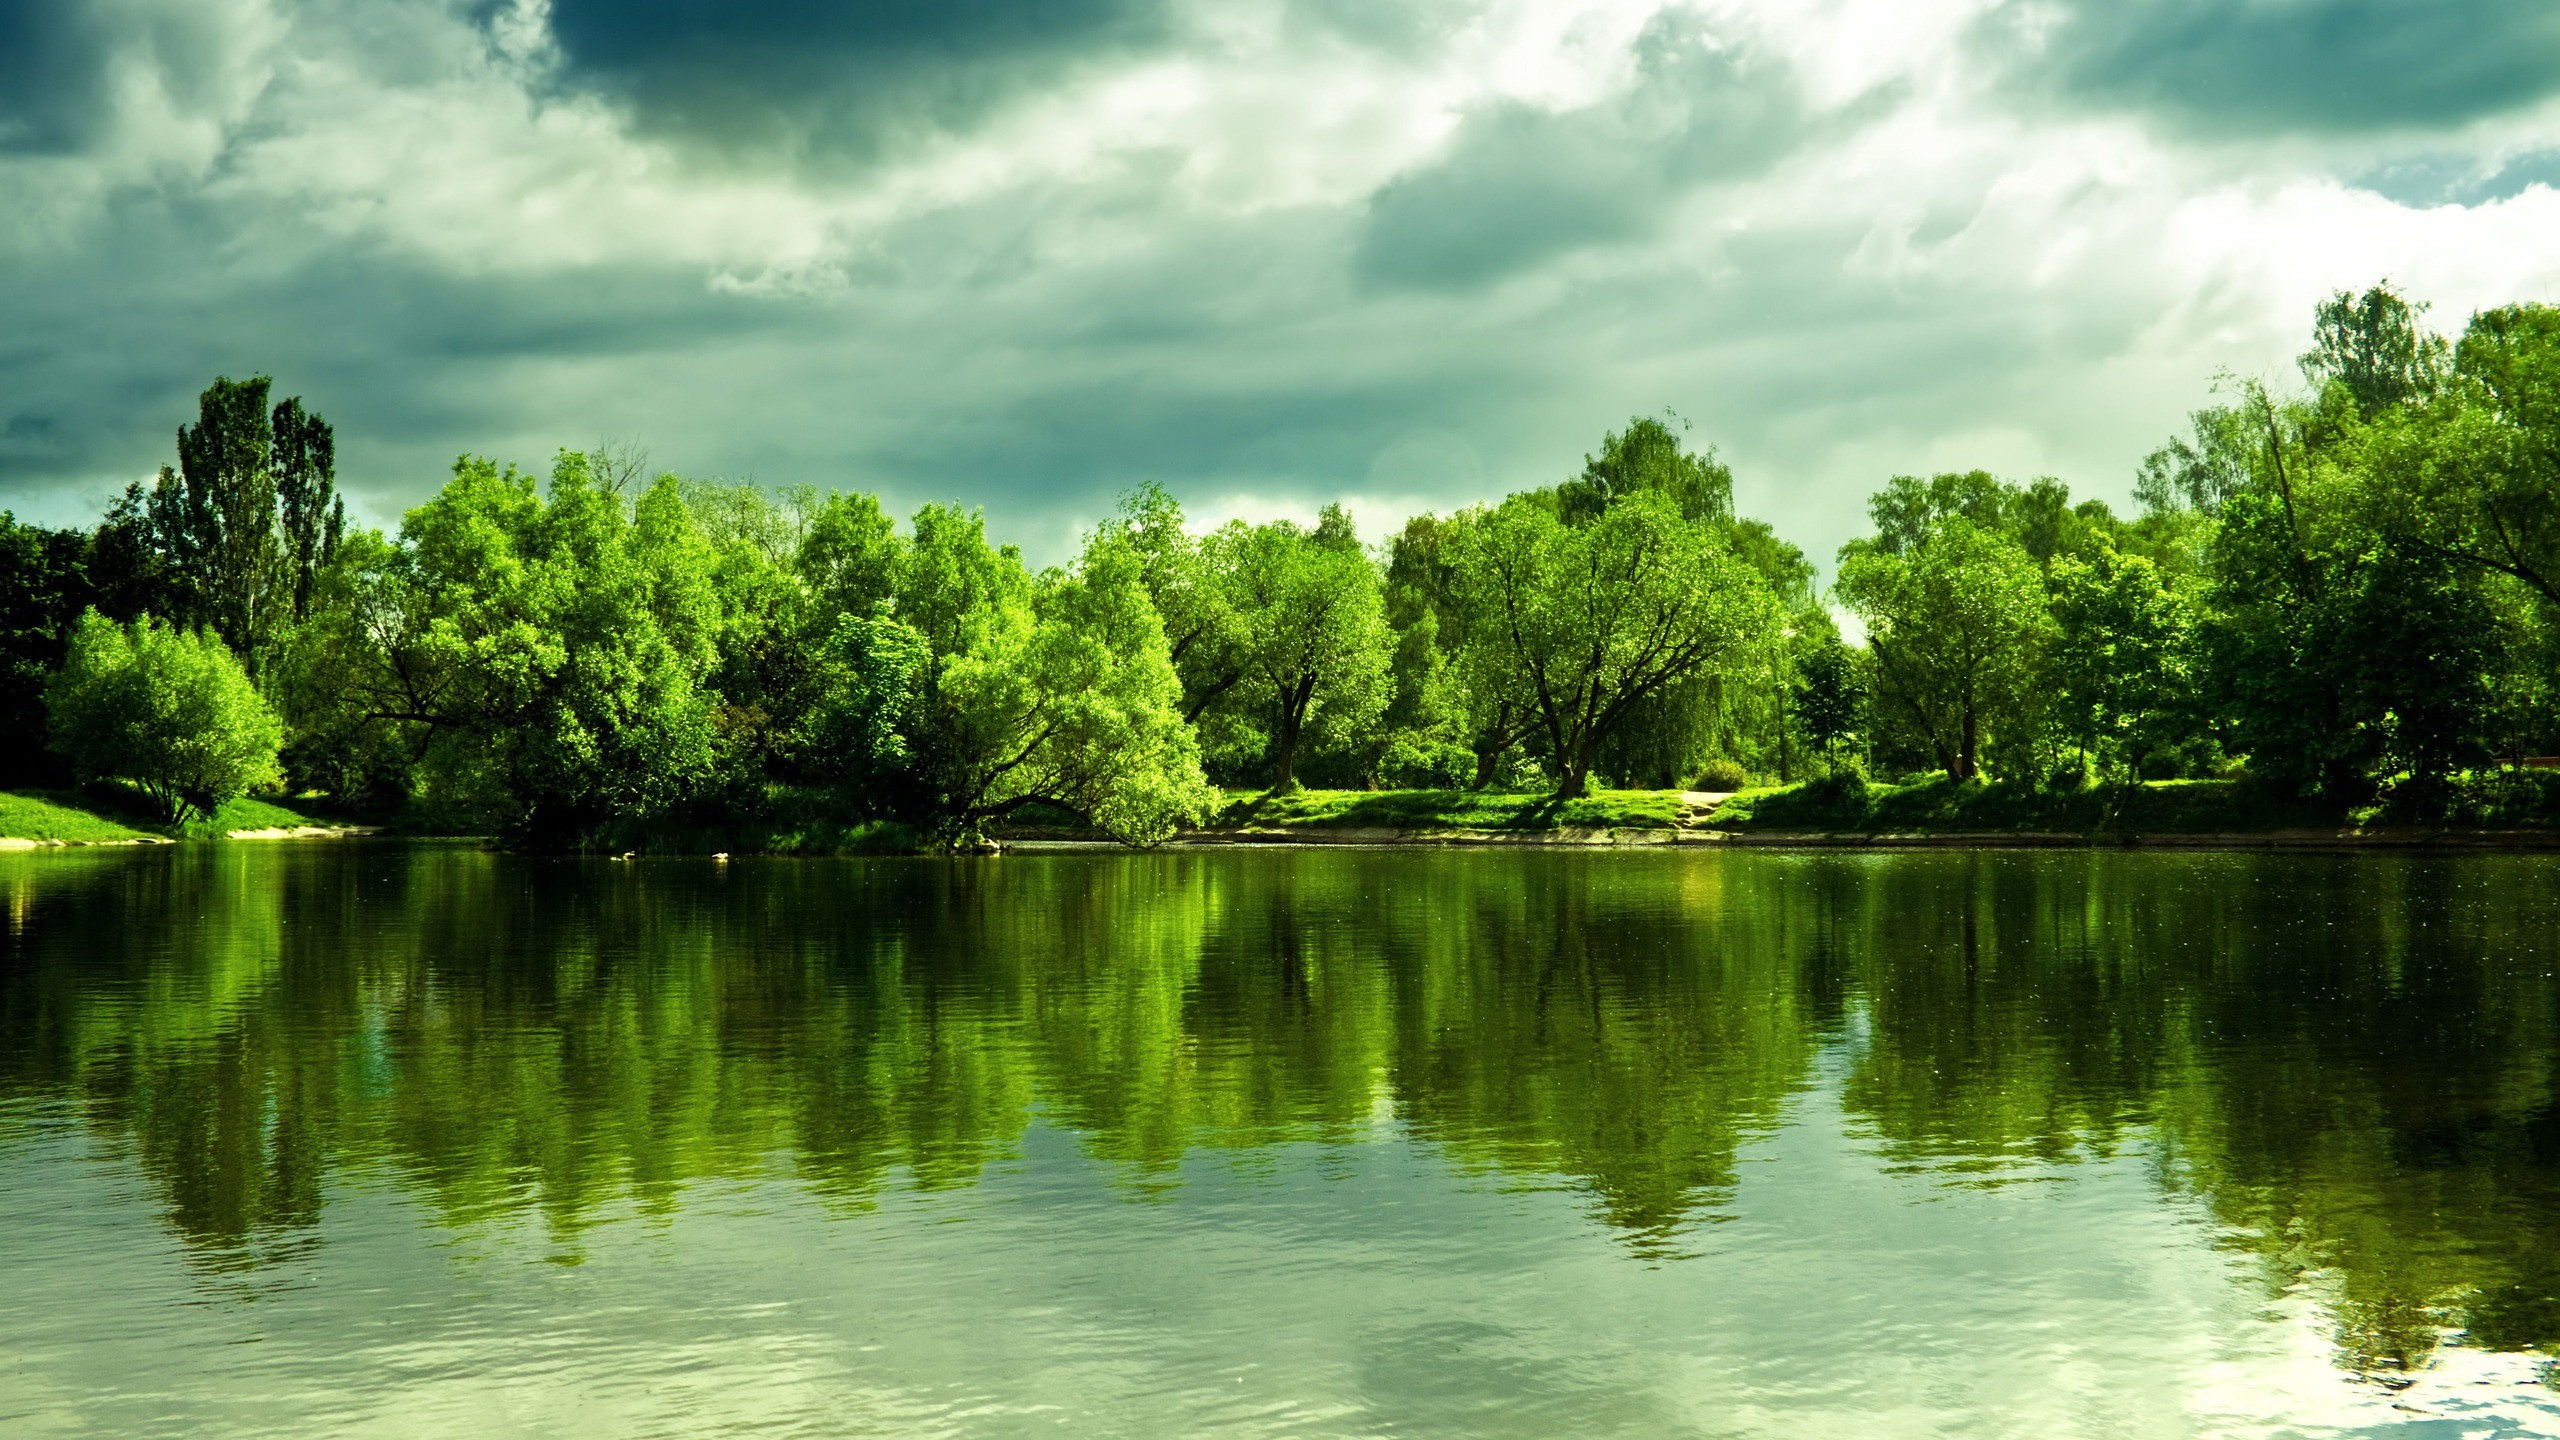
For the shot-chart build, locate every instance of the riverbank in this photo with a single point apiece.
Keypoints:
(1932, 813)
(40, 819)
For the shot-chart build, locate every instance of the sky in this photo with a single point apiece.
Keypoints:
(1401, 254)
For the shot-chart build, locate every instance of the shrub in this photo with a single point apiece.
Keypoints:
(1416, 762)
(2477, 797)
(1842, 791)
(168, 710)
(1721, 773)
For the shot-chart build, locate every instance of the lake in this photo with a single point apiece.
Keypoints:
(376, 1139)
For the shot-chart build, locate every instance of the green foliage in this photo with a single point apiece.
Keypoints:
(2494, 797)
(1956, 620)
(1721, 775)
(1424, 810)
(237, 532)
(44, 586)
(1831, 694)
(2351, 594)
(2123, 658)
(1413, 762)
(1453, 691)
(548, 658)
(866, 708)
(1583, 623)
(1647, 458)
(171, 711)
(1062, 695)
(1182, 574)
(2373, 346)
(1845, 802)
(1310, 633)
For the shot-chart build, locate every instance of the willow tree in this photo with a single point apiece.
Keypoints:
(1182, 576)
(1584, 623)
(1311, 630)
(1955, 618)
(1062, 691)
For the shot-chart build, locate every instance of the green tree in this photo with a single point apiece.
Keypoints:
(170, 711)
(866, 711)
(44, 585)
(1648, 458)
(1423, 579)
(249, 515)
(948, 576)
(2374, 346)
(2122, 658)
(550, 657)
(1955, 617)
(848, 559)
(1182, 578)
(1831, 694)
(1064, 692)
(1311, 630)
(1585, 623)
(2475, 476)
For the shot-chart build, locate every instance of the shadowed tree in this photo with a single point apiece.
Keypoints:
(245, 521)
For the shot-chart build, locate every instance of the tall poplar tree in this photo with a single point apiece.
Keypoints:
(248, 516)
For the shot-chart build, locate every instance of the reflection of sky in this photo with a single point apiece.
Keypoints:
(1404, 253)
(1356, 1141)
(1360, 1288)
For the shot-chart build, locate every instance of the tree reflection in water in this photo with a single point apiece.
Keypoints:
(2350, 1064)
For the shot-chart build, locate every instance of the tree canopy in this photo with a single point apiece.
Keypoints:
(2347, 588)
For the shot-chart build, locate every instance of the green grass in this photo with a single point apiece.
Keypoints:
(756, 837)
(63, 818)
(1449, 810)
(2151, 807)
(247, 814)
(103, 815)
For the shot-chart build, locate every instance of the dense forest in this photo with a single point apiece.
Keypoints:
(2344, 590)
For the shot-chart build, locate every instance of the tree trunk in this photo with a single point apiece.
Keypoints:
(1786, 752)
(1965, 751)
(1573, 780)
(1284, 748)
(1488, 760)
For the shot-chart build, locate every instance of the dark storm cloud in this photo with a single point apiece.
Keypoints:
(2250, 67)
(2455, 179)
(1520, 185)
(825, 75)
(52, 76)
(56, 57)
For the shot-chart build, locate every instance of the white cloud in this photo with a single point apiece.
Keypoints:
(1149, 271)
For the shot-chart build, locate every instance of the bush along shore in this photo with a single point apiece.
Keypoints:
(2518, 809)
(2507, 808)
(2335, 610)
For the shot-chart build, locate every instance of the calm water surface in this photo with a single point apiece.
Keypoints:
(372, 1140)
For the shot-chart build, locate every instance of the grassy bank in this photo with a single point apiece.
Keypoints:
(2491, 801)
(1451, 810)
(105, 817)
(798, 822)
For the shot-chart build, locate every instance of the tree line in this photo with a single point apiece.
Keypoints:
(2344, 589)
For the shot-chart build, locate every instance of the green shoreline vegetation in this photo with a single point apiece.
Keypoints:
(2338, 607)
